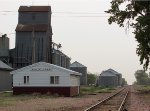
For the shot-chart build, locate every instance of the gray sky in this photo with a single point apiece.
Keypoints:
(81, 27)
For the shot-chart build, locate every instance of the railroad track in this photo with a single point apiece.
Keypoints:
(114, 102)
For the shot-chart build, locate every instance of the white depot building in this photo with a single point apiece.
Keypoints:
(44, 77)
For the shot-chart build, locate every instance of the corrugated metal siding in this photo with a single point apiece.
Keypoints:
(119, 79)
(60, 59)
(4, 46)
(33, 18)
(5, 81)
(108, 81)
(23, 49)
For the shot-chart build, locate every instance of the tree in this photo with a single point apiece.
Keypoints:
(91, 78)
(142, 78)
(137, 15)
(124, 82)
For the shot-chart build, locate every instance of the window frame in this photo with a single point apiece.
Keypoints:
(54, 79)
(26, 79)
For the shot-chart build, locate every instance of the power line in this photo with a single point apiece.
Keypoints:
(82, 16)
(7, 11)
(79, 12)
(68, 14)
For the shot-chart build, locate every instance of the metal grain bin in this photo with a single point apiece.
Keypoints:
(119, 79)
(76, 66)
(4, 46)
(107, 79)
(60, 59)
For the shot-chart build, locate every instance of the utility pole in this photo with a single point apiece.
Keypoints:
(33, 46)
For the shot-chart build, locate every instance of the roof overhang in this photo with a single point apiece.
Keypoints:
(30, 28)
(34, 9)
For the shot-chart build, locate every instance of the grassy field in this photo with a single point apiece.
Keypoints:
(8, 99)
(93, 89)
(143, 88)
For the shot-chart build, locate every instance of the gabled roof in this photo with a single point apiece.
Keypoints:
(47, 65)
(109, 72)
(34, 9)
(77, 64)
(113, 71)
(4, 66)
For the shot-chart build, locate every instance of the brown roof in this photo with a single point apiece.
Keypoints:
(36, 27)
(34, 9)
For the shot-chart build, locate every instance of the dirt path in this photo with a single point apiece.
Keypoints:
(137, 102)
(56, 104)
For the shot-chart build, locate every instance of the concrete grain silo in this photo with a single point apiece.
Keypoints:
(78, 67)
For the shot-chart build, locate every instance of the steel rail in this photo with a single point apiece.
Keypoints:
(104, 100)
(123, 102)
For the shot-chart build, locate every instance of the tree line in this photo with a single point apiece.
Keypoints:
(142, 78)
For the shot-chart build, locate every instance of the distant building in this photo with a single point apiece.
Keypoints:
(78, 67)
(109, 78)
(5, 77)
(33, 36)
(4, 48)
(60, 59)
(43, 77)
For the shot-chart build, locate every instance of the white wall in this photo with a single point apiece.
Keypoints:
(42, 78)
(75, 80)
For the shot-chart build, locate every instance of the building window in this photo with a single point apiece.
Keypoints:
(26, 79)
(54, 79)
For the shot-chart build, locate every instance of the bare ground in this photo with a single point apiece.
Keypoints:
(56, 104)
(136, 102)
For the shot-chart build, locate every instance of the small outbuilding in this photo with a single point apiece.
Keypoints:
(44, 77)
(5, 77)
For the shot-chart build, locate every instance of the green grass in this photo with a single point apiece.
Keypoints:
(143, 88)
(93, 89)
(8, 99)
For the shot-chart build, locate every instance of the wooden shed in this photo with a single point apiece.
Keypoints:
(44, 77)
(5, 77)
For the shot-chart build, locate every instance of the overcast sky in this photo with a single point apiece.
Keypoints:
(81, 27)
